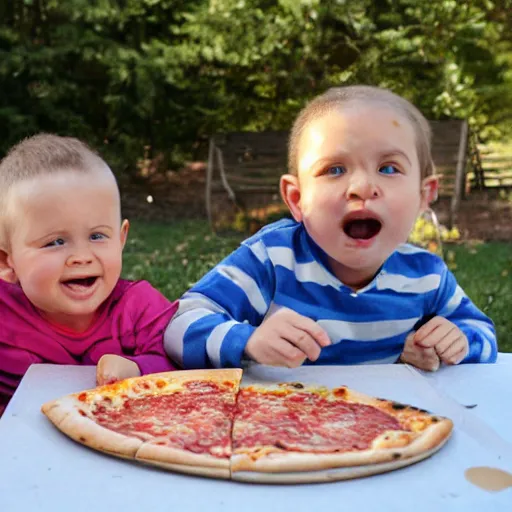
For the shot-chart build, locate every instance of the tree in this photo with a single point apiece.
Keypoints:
(159, 76)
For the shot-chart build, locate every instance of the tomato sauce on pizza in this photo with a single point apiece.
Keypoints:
(196, 418)
(306, 421)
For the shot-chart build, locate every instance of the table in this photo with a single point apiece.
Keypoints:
(475, 386)
(42, 470)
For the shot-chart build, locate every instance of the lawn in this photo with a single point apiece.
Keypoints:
(174, 256)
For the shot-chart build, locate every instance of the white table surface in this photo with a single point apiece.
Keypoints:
(42, 470)
(486, 389)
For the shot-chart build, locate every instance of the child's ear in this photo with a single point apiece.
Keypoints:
(290, 192)
(7, 273)
(429, 190)
(125, 227)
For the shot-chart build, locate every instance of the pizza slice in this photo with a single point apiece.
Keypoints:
(292, 433)
(178, 420)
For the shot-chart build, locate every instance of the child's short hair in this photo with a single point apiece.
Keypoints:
(41, 155)
(338, 96)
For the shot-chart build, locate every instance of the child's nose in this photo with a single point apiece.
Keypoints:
(362, 187)
(80, 256)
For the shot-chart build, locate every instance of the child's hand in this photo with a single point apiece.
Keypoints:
(423, 358)
(449, 342)
(286, 339)
(112, 368)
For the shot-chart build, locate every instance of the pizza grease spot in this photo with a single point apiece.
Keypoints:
(82, 412)
(489, 479)
(160, 384)
(145, 385)
(228, 384)
(82, 397)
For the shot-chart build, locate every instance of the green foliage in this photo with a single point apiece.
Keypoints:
(164, 74)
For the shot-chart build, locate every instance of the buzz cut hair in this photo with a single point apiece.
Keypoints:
(42, 155)
(338, 97)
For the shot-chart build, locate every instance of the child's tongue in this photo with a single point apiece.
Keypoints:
(363, 228)
(80, 284)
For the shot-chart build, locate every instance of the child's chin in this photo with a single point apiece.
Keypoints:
(363, 259)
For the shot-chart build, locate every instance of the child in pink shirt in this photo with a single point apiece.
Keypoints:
(61, 243)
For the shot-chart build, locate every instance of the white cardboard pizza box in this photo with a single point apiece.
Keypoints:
(485, 389)
(42, 470)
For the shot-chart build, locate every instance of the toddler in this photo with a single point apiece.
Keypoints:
(61, 244)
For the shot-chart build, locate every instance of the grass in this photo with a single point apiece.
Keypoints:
(174, 256)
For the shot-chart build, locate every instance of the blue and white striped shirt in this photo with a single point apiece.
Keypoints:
(281, 266)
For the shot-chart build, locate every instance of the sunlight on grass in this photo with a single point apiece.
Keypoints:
(173, 257)
(484, 272)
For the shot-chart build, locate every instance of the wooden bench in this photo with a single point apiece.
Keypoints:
(244, 168)
(496, 168)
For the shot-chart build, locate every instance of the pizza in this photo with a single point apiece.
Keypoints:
(205, 422)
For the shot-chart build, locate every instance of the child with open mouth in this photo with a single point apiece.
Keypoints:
(338, 284)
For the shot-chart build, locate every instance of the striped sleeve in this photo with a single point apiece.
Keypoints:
(453, 304)
(216, 318)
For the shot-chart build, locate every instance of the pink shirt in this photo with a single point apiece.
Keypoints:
(130, 323)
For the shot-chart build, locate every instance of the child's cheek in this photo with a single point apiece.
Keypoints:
(44, 272)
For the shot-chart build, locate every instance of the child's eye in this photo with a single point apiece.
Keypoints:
(388, 169)
(55, 243)
(336, 170)
(97, 236)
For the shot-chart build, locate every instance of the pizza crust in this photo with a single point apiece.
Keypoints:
(212, 375)
(357, 397)
(57, 410)
(207, 471)
(396, 409)
(328, 475)
(151, 452)
(64, 413)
